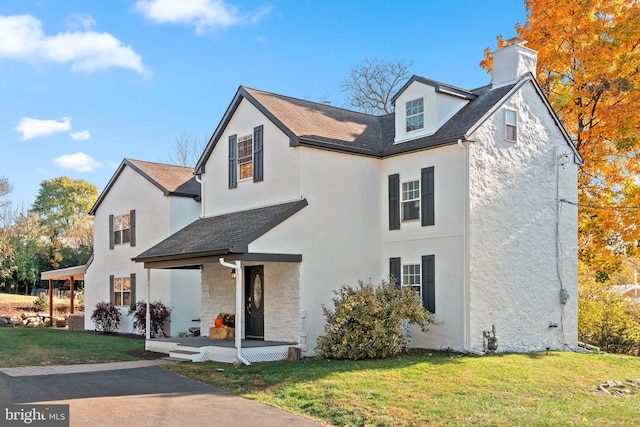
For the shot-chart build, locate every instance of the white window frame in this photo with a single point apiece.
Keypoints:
(122, 229)
(245, 157)
(119, 297)
(414, 112)
(412, 197)
(510, 126)
(412, 277)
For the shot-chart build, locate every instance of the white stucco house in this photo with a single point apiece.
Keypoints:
(141, 205)
(457, 194)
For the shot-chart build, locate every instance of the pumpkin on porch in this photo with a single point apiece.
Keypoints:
(218, 323)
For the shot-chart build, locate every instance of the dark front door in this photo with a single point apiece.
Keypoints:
(254, 301)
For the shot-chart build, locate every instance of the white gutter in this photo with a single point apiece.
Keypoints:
(466, 293)
(199, 181)
(238, 340)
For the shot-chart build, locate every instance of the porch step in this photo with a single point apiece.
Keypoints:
(185, 352)
(175, 359)
(192, 355)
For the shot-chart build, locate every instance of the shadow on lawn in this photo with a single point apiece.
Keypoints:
(262, 376)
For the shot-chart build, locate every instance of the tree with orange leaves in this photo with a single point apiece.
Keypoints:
(589, 68)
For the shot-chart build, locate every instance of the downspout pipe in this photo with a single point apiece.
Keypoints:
(466, 305)
(199, 181)
(238, 340)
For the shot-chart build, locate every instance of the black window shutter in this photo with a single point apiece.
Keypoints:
(132, 227)
(429, 282)
(258, 154)
(132, 282)
(112, 296)
(394, 202)
(111, 237)
(427, 196)
(233, 161)
(394, 271)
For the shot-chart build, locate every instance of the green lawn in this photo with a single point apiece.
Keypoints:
(44, 346)
(439, 390)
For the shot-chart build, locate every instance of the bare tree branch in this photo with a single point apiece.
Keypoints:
(187, 150)
(372, 83)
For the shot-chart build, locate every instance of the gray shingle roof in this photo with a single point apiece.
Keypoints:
(170, 179)
(223, 234)
(457, 126)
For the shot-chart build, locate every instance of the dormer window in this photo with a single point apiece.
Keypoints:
(511, 129)
(415, 114)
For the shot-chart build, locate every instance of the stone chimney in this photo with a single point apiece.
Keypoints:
(512, 61)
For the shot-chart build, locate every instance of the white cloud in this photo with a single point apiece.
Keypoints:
(80, 20)
(33, 128)
(204, 15)
(83, 135)
(79, 162)
(22, 38)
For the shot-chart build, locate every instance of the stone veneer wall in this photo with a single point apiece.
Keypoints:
(282, 299)
(515, 277)
(218, 295)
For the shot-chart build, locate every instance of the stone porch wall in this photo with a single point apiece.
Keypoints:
(281, 296)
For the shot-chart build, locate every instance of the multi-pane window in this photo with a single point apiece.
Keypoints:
(412, 276)
(415, 114)
(511, 120)
(245, 156)
(122, 290)
(410, 200)
(121, 229)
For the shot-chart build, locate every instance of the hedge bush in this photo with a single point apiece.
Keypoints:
(371, 321)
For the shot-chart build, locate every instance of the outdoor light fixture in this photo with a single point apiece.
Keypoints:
(233, 273)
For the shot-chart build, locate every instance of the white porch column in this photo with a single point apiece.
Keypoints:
(237, 266)
(148, 320)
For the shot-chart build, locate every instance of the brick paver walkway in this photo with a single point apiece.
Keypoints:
(28, 371)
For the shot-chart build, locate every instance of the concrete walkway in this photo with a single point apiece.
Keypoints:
(136, 394)
(28, 371)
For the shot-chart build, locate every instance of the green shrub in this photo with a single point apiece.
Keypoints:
(106, 317)
(41, 303)
(607, 319)
(371, 321)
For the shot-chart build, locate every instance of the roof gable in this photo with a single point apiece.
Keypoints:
(172, 180)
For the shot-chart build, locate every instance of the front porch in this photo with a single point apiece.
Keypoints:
(200, 349)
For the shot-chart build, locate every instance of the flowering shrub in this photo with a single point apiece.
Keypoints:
(371, 321)
(106, 317)
(159, 314)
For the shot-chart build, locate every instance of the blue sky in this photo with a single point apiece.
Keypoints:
(84, 84)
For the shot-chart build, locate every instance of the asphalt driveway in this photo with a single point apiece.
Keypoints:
(141, 396)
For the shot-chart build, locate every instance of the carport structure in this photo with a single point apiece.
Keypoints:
(71, 274)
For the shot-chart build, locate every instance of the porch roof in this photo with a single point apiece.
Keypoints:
(228, 234)
(76, 272)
